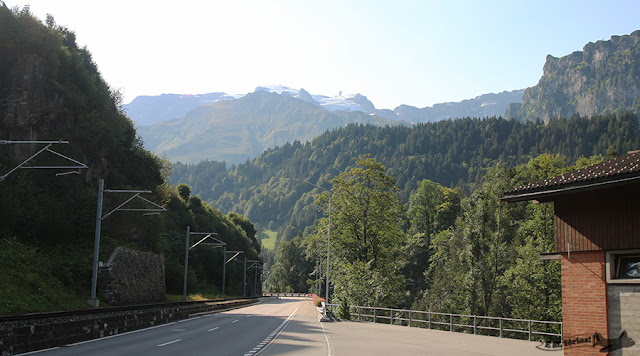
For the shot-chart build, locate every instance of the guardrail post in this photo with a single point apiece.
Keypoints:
(429, 320)
(475, 325)
(529, 330)
(359, 308)
(409, 318)
(500, 327)
(374, 314)
(391, 316)
(450, 322)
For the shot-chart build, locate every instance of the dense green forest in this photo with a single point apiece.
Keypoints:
(443, 241)
(50, 89)
(270, 190)
(445, 251)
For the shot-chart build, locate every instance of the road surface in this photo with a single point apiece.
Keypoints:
(290, 326)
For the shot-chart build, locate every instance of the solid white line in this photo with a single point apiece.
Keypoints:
(277, 331)
(216, 328)
(39, 351)
(326, 337)
(170, 342)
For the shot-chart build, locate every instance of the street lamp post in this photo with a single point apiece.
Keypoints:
(326, 298)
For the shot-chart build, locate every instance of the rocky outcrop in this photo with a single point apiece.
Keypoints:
(603, 78)
(133, 277)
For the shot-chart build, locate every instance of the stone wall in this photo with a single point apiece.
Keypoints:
(132, 277)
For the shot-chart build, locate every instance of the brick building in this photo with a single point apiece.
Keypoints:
(597, 235)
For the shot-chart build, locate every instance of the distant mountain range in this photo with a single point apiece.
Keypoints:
(241, 129)
(234, 128)
(149, 110)
(487, 105)
(603, 78)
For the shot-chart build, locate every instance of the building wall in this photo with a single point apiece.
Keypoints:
(624, 315)
(602, 220)
(584, 301)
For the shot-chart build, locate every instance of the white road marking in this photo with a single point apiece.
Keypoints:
(216, 328)
(170, 342)
(39, 351)
(274, 335)
(235, 321)
(326, 337)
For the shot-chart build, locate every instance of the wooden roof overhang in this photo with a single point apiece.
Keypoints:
(618, 171)
(595, 208)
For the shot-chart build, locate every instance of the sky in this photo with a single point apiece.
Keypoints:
(394, 52)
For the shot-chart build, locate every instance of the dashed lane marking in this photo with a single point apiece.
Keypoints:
(170, 342)
(216, 328)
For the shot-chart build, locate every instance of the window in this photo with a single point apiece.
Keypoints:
(623, 266)
(627, 266)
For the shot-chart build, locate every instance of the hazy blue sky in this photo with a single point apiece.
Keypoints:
(394, 52)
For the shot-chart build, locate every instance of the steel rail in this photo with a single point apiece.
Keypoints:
(96, 311)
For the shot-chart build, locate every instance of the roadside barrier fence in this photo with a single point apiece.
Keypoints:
(476, 324)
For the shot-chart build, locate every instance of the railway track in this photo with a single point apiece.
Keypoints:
(112, 310)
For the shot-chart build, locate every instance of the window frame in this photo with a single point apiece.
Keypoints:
(611, 266)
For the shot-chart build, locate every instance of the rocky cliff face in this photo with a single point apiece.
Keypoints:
(603, 78)
(29, 109)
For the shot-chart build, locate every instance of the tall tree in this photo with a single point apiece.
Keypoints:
(366, 218)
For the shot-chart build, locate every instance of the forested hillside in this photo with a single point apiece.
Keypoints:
(445, 251)
(270, 190)
(50, 89)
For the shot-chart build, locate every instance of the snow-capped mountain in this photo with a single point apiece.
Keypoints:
(149, 110)
(346, 102)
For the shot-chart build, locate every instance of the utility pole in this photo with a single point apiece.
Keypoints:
(93, 300)
(217, 243)
(326, 299)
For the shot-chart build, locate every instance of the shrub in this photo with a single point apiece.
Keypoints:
(344, 311)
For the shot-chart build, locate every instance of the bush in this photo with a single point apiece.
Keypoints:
(344, 311)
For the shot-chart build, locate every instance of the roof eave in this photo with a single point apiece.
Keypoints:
(545, 195)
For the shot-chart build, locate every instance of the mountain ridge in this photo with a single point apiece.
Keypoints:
(602, 78)
(237, 130)
(148, 110)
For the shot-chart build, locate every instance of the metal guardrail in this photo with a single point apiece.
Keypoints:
(503, 327)
(286, 295)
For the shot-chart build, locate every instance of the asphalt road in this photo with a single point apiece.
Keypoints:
(234, 332)
(290, 326)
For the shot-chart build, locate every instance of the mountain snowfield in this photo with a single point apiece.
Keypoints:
(347, 102)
